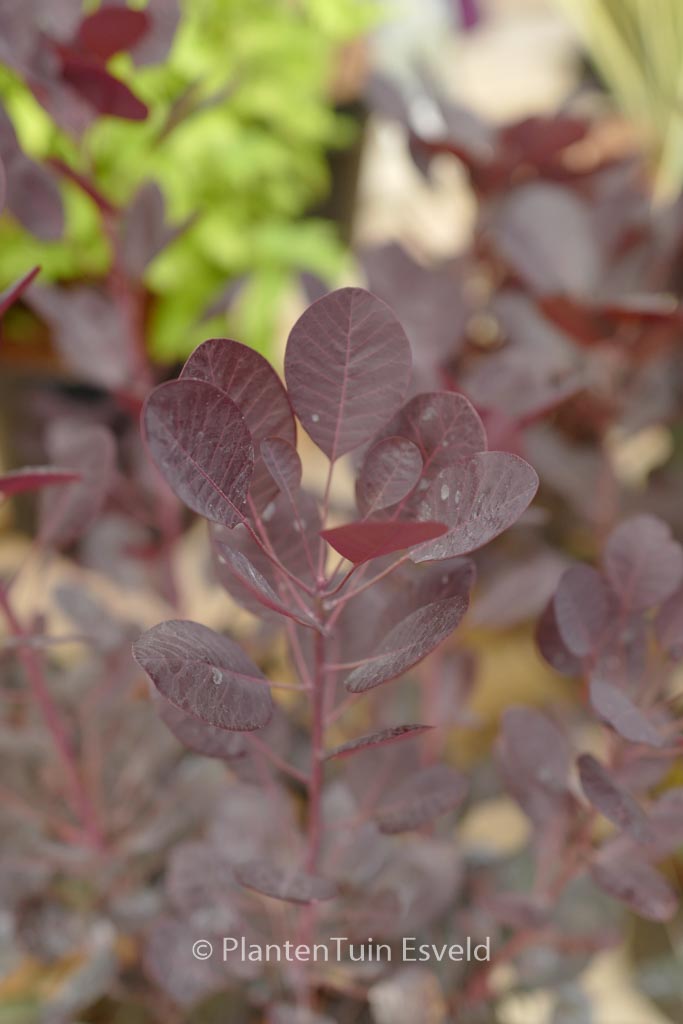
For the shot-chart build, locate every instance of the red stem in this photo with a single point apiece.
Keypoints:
(79, 798)
(315, 784)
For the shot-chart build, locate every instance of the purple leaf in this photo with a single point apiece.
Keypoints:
(144, 230)
(256, 584)
(101, 90)
(426, 795)
(198, 736)
(90, 451)
(87, 328)
(110, 30)
(608, 797)
(642, 562)
(15, 290)
(413, 638)
(669, 625)
(617, 709)
(394, 734)
(347, 367)
(552, 646)
(477, 501)
(205, 675)
(284, 884)
(155, 45)
(252, 384)
(443, 426)
(34, 199)
(202, 446)
(535, 759)
(34, 478)
(637, 885)
(584, 608)
(390, 471)
(284, 465)
(361, 541)
(525, 228)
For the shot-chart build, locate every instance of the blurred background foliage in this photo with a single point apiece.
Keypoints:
(240, 121)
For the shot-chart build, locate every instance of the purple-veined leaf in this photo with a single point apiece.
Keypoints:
(205, 674)
(202, 446)
(108, 95)
(71, 508)
(584, 608)
(196, 735)
(642, 561)
(252, 384)
(347, 367)
(257, 585)
(552, 646)
(14, 291)
(617, 709)
(34, 478)
(608, 797)
(390, 471)
(284, 465)
(109, 30)
(415, 636)
(290, 885)
(477, 501)
(393, 734)
(637, 885)
(444, 427)
(361, 541)
(669, 625)
(520, 592)
(426, 795)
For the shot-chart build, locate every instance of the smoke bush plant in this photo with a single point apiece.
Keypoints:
(338, 816)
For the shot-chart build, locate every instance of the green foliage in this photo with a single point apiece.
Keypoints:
(236, 138)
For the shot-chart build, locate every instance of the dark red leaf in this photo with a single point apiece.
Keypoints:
(109, 30)
(390, 471)
(256, 584)
(205, 674)
(535, 758)
(477, 501)
(608, 797)
(198, 736)
(285, 884)
(642, 562)
(584, 608)
(414, 636)
(426, 795)
(144, 229)
(101, 90)
(617, 709)
(347, 367)
(15, 290)
(202, 446)
(252, 384)
(552, 646)
(34, 199)
(90, 451)
(361, 541)
(284, 465)
(394, 734)
(637, 885)
(33, 478)
(444, 427)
